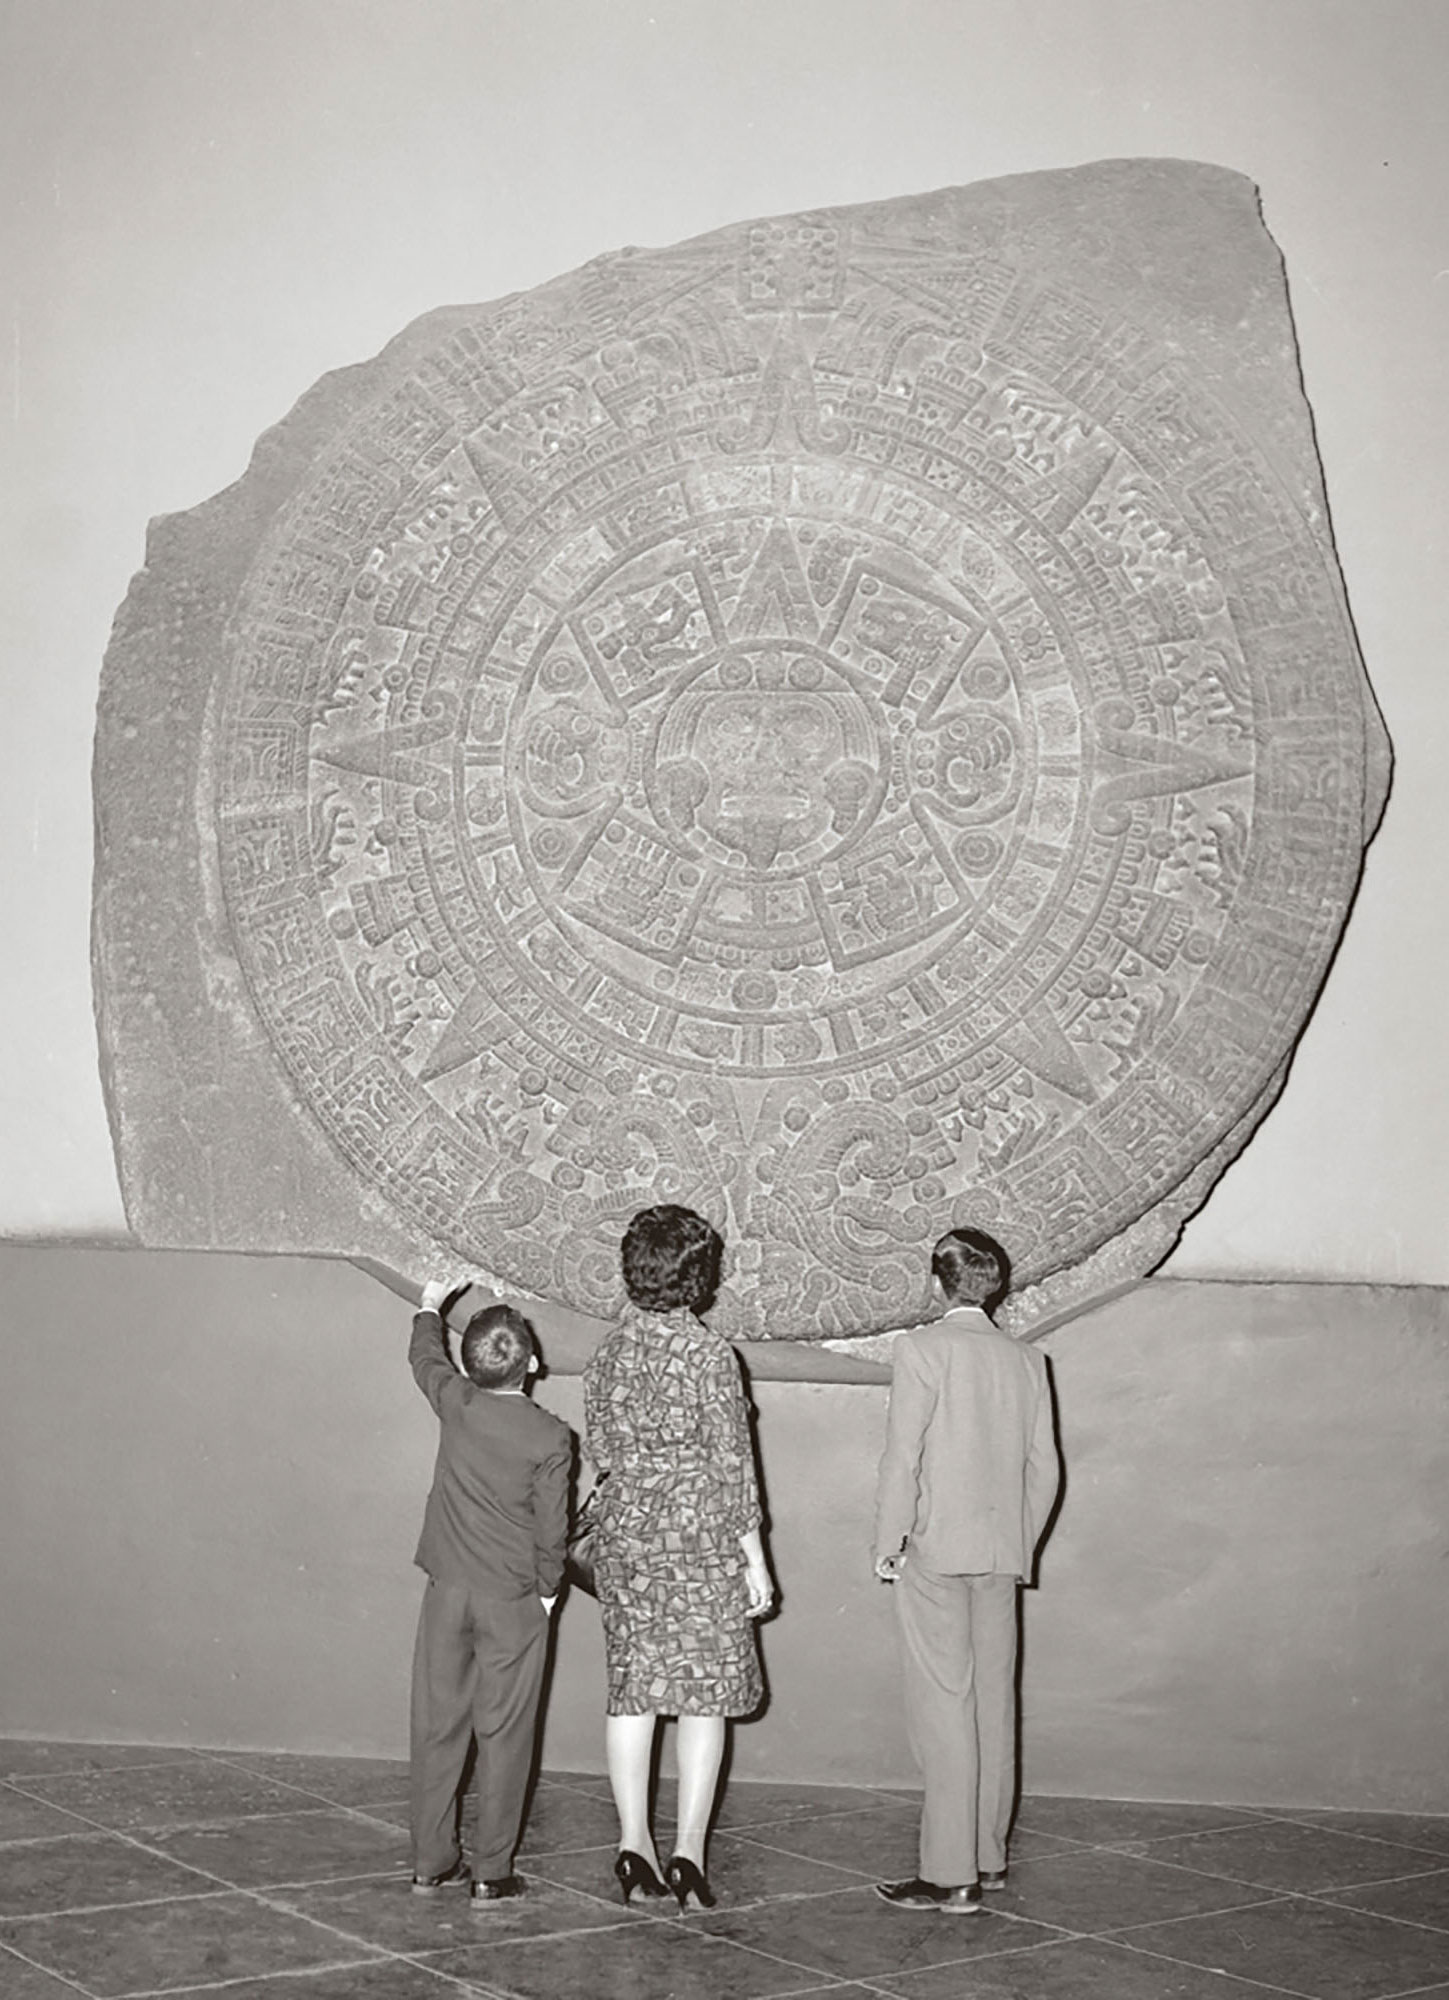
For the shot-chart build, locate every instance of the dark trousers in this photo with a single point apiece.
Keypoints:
(477, 1672)
(958, 1654)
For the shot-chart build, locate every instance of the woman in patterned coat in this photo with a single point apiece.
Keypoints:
(680, 1567)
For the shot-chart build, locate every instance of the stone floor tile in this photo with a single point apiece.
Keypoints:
(740, 1872)
(1103, 1889)
(1307, 1947)
(19, 1981)
(880, 1844)
(743, 1871)
(23, 1817)
(1100, 1821)
(379, 1979)
(1073, 1969)
(589, 1871)
(383, 1911)
(754, 1803)
(201, 1939)
(330, 1915)
(84, 1871)
(1027, 1841)
(636, 1961)
(288, 1848)
(162, 1795)
(1278, 1854)
(387, 1812)
(1429, 1831)
(854, 1935)
(560, 1821)
(340, 1781)
(1417, 1899)
(26, 1756)
(836, 1990)
(593, 1783)
(748, 1802)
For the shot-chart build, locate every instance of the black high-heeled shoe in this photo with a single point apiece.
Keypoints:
(633, 1872)
(686, 1880)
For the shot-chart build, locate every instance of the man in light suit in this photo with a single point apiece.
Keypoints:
(967, 1480)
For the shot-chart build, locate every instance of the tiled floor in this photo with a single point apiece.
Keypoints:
(134, 1871)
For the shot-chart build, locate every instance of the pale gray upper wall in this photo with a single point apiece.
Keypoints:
(208, 204)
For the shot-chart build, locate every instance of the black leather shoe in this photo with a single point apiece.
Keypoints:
(498, 1889)
(456, 1877)
(633, 1872)
(993, 1878)
(961, 1900)
(686, 1880)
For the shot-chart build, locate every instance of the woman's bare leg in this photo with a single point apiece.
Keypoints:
(699, 1752)
(629, 1751)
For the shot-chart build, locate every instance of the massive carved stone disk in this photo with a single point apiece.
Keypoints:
(850, 723)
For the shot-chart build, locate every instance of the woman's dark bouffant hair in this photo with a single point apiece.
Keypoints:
(671, 1257)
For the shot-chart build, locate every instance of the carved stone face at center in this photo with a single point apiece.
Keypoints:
(773, 775)
(765, 774)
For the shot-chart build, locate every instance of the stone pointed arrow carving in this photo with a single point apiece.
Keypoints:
(1136, 764)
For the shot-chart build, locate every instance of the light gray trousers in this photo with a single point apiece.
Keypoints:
(958, 1656)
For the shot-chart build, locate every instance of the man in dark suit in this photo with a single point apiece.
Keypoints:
(968, 1478)
(493, 1548)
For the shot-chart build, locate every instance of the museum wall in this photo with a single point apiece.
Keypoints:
(220, 1463)
(212, 1468)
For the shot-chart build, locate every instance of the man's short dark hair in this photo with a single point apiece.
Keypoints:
(497, 1347)
(671, 1257)
(971, 1268)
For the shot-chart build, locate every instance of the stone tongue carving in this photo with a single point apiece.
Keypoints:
(850, 723)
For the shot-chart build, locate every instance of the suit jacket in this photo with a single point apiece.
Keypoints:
(970, 1468)
(497, 1516)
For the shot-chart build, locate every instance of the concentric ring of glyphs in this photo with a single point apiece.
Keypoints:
(787, 766)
